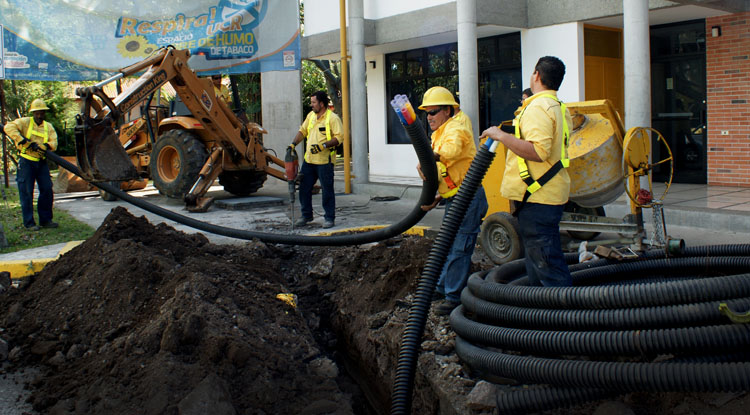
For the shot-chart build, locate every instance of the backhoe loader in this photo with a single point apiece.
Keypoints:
(191, 152)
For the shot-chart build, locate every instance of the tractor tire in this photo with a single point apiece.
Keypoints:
(242, 183)
(584, 235)
(176, 161)
(107, 196)
(500, 238)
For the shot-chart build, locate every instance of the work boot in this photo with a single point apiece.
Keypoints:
(32, 228)
(302, 222)
(445, 308)
(328, 224)
(49, 225)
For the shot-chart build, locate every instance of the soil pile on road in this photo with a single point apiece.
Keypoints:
(146, 319)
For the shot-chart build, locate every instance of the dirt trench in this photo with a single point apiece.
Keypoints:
(144, 319)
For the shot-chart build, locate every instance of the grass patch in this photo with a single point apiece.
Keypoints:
(20, 238)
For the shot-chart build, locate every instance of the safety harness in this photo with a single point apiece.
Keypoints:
(523, 169)
(452, 187)
(311, 123)
(29, 132)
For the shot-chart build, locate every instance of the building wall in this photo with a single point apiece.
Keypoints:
(318, 13)
(282, 108)
(567, 45)
(728, 92)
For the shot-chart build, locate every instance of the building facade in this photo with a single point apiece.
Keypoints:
(698, 67)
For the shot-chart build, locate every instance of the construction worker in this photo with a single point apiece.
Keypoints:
(323, 130)
(221, 90)
(454, 149)
(33, 137)
(535, 176)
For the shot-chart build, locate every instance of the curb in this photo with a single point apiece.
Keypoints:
(21, 268)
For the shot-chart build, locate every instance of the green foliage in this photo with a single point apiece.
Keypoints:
(20, 238)
(248, 88)
(19, 94)
(312, 80)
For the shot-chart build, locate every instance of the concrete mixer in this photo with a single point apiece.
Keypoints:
(605, 162)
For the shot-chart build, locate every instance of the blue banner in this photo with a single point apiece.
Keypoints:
(75, 40)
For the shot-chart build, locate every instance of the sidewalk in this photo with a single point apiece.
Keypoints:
(690, 211)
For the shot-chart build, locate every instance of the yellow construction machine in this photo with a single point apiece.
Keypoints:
(605, 161)
(204, 141)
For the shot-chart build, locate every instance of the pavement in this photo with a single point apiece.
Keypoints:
(699, 214)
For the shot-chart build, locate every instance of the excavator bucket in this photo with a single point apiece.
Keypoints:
(101, 156)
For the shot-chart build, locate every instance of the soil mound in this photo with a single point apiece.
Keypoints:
(143, 319)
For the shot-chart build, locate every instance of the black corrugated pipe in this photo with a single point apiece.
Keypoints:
(537, 399)
(411, 339)
(719, 338)
(429, 187)
(680, 318)
(675, 315)
(622, 376)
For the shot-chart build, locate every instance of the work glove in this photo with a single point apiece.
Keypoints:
(34, 146)
(292, 146)
(23, 143)
(315, 148)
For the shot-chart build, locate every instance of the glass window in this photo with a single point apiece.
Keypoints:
(413, 72)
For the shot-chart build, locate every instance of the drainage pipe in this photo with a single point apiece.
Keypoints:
(411, 338)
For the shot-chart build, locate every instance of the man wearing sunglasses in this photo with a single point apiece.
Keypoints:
(535, 177)
(454, 149)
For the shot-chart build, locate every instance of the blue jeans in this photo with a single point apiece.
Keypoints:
(540, 232)
(310, 174)
(28, 173)
(458, 263)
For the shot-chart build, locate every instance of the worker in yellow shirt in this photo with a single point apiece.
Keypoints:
(33, 137)
(221, 90)
(535, 176)
(454, 149)
(323, 130)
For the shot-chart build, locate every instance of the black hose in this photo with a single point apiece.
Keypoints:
(719, 338)
(621, 376)
(676, 315)
(415, 324)
(429, 187)
(536, 399)
(617, 329)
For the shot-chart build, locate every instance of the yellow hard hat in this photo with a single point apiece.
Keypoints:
(38, 105)
(437, 95)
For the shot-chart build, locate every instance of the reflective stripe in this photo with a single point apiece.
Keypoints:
(29, 132)
(452, 188)
(523, 168)
(311, 124)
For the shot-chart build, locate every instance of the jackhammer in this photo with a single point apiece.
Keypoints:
(291, 163)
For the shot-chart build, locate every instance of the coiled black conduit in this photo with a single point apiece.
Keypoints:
(411, 338)
(424, 153)
(680, 317)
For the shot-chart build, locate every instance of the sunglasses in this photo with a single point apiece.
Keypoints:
(433, 112)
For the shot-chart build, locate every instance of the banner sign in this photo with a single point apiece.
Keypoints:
(75, 40)
(2, 49)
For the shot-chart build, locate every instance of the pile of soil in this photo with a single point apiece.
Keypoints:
(146, 319)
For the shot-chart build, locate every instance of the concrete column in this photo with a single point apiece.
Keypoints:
(637, 60)
(468, 68)
(358, 92)
(281, 104)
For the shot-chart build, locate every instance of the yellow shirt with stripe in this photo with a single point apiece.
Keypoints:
(17, 130)
(318, 136)
(541, 124)
(454, 142)
(223, 92)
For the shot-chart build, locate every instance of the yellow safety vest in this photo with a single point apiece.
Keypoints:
(29, 132)
(311, 123)
(523, 169)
